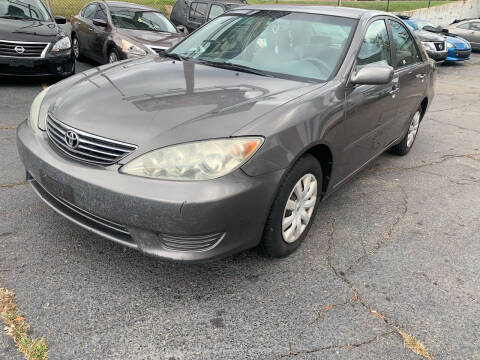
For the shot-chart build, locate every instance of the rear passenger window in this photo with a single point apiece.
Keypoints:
(464, 26)
(89, 11)
(375, 49)
(198, 10)
(215, 10)
(406, 52)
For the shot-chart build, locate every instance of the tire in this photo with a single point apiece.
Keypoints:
(405, 145)
(275, 241)
(76, 48)
(112, 56)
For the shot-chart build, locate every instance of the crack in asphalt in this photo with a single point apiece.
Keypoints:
(13, 184)
(468, 181)
(444, 158)
(341, 275)
(340, 347)
(455, 125)
(387, 236)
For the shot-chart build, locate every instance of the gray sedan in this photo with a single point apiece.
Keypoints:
(233, 138)
(469, 30)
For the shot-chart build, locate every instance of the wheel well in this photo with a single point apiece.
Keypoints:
(424, 105)
(324, 156)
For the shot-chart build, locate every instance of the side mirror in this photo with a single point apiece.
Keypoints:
(182, 29)
(60, 20)
(372, 75)
(99, 22)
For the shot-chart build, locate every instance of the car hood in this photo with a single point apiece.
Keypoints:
(153, 102)
(163, 39)
(429, 36)
(458, 42)
(28, 30)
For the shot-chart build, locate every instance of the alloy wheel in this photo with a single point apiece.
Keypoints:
(76, 47)
(299, 208)
(413, 129)
(112, 57)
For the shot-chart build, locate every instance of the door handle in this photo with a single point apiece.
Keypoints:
(77, 23)
(90, 28)
(420, 76)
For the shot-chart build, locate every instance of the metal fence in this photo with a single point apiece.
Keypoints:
(72, 7)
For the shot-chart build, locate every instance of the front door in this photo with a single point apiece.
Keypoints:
(369, 108)
(98, 35)
(197, 15)
(411, 71)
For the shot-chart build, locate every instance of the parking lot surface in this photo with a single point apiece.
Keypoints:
(395, 251)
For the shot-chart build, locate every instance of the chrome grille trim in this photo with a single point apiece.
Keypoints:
(91, 148)
(33, 50)
(159, 50)
(191, 242)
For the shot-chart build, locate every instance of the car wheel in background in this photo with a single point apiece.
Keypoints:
(76, 47)
(294, 208)
(112, 55)
(404, 146)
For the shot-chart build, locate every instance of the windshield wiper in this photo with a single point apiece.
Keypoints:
(231, 66)
(174, 56)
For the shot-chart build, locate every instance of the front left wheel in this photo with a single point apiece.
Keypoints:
(294, 208)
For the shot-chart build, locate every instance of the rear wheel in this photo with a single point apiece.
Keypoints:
(293, 209)
(404, 146)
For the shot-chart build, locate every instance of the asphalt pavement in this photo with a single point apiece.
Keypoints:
(395, 251)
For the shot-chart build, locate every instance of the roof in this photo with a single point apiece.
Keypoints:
(321, 10)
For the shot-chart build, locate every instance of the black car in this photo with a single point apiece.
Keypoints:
(194, 13)
(31, 43)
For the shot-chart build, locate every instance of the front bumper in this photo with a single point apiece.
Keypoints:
(58, 65)
(437, 55)
(458, 55)
(188, 221)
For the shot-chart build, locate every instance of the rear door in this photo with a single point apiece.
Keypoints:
(81, 26)
(197, 15)
(411, 71)
(369, 108)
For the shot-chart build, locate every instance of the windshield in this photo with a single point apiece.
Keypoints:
(277, 43)
(24, 10)
(134, 19)
(420, 24)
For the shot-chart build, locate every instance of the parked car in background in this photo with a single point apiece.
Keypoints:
(31, 43)
(108, 31)
(458, 49)
(434, 44)
(194, 13)
(233, 138)
(469, 30)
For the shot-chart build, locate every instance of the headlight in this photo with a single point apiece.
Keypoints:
(34, 114)
(132, 49)
(62, 44)
(202, 160)
(450, 45)
(428, 45)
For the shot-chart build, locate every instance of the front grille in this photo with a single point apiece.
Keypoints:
(24, 49)
(462, 53)
(104, 227)
(88, 147)
(440, 46)
(191, 242)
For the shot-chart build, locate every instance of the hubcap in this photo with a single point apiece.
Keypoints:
(112, 57)
(413, 129)
(76, 48)
(299, 208)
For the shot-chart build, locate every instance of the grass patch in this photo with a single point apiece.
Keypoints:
(72, 7)
(17, 328)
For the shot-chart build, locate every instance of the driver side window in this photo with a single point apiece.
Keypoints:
(375, 49)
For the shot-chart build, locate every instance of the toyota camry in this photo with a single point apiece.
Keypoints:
(232, 138)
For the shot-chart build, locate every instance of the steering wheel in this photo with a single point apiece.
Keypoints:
(319, 64)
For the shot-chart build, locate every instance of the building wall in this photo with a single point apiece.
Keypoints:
(445, 14)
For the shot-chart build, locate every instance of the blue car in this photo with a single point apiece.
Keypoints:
(458, 48)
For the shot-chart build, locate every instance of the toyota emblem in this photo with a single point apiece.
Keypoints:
(19, 49)
(71, 139)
